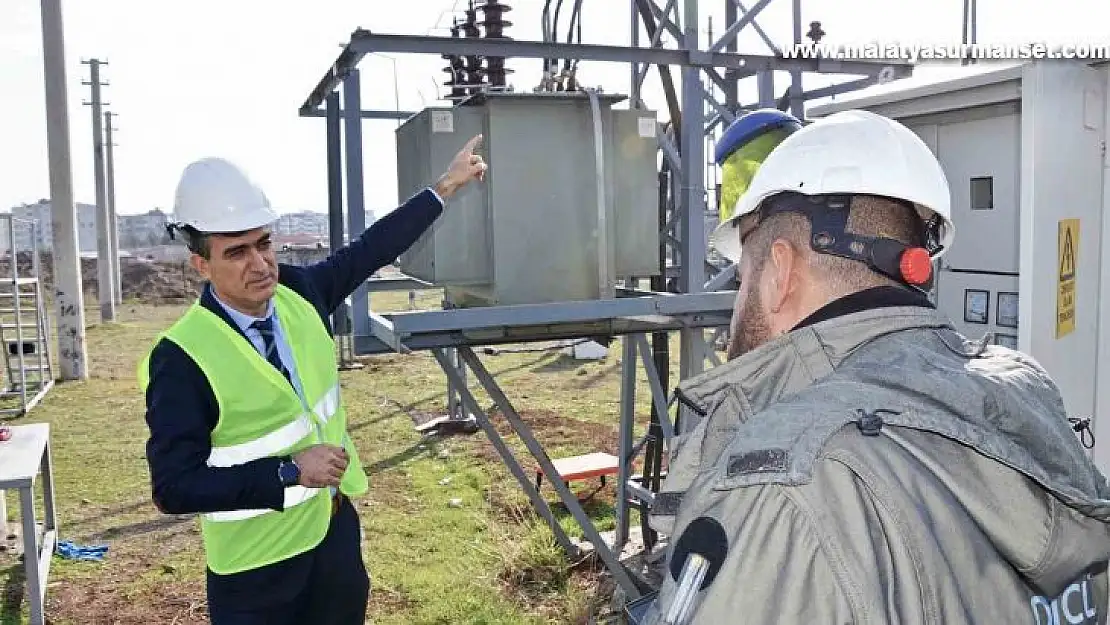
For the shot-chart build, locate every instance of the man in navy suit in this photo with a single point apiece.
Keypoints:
(246, 425)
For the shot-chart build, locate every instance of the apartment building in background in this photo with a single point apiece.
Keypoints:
(39, 213)
(148, 230)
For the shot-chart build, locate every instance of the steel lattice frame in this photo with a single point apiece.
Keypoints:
(688, 297)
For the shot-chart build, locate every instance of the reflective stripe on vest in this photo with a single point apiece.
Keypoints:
(269, 445)
(294, 496)
(262, 447)
(272, 443)
(327, 405)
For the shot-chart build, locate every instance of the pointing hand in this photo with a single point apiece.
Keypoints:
(466, 166)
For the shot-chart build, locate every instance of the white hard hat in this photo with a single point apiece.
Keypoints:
(215, 195)
(851, 152)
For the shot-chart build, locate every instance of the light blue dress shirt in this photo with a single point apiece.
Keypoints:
(285, 353)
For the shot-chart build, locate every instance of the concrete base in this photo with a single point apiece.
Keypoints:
(589, 350)
(446, 425)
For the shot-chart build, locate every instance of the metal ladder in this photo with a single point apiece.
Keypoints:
(24, 334)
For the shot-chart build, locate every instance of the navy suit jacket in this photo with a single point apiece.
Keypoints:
(181, 409)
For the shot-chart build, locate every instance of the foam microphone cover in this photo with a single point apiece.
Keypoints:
(705, 537)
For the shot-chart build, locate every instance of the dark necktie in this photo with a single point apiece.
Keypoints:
(265, 327)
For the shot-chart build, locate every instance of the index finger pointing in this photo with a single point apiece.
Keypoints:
(473, 143)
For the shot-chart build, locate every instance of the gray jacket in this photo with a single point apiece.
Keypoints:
(881, 468)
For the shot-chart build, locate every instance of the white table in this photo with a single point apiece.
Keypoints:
(22, 458)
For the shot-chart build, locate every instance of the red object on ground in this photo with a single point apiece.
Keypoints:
(5, 433)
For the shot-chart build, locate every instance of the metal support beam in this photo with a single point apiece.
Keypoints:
(672, 26)
(737, 4)
(658, 395)
(471, 404)
(723, 278)
(730, 88)
(335, 173)
(640, 73)
(370, 114)
(363, 42)
(725, 114)
(636, 82)
(482, 320)
(619, 572)
(729, 37)
(397, 283)
(765, 86)
(356, 207)
(649, 312)
(692, 199)
(839, 88)
(340, 319)
(625, 436)
(717, 80)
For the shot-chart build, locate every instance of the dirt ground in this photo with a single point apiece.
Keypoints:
(154, 282)
(144, 281)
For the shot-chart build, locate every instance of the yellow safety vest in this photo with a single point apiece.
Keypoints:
(260, 415)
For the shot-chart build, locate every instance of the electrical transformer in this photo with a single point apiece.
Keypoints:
(569, 204)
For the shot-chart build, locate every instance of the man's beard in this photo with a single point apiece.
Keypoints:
(751, 328)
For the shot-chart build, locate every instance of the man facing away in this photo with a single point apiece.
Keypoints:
(866, 462)
(247, 426)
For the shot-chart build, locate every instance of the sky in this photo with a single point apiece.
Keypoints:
(225, 78)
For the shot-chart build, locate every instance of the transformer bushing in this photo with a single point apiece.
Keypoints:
(473, 69)
(456, 76)
(494, 23)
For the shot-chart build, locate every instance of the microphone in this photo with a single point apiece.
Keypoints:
(698, 556)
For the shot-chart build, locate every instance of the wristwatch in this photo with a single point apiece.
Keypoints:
(288, 472)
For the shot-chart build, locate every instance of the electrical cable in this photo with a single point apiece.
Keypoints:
(555, 21)
(571, 65)
(545, 27)
(579, 29)
(555, 38)
(575, 11)
(546, 31)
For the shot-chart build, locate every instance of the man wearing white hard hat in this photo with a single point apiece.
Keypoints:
(247, 425)
(858, 460)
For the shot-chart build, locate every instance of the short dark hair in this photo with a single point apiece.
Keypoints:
(200, 243)
(869, 216)
(197, 241)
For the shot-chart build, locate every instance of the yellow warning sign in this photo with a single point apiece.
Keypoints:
(1068, 246)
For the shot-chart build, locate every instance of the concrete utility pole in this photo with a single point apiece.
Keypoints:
(113, 228)
(68, 296)
(104, 265)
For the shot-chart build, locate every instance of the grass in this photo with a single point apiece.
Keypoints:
(488, 559)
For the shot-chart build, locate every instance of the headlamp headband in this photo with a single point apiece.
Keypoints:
(828, 219)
